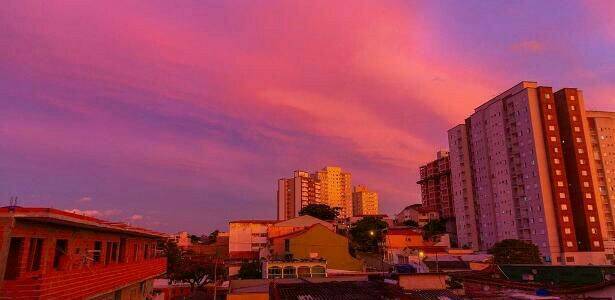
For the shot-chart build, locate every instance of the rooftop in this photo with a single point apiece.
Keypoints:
(341, 290)
(60, 217)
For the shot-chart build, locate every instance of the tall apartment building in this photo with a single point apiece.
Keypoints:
(297, 192)
(520, 170)
(436, 194)
(336, 189)
(466, 211)
(602, 138)
(364, 201)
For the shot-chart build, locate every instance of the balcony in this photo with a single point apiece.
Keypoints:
(82, 283)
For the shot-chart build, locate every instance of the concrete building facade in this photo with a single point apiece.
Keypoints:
(364, 201)
(520, 170)
(295, 193)
(435, 182)
(466, 211)
(336, 189)
(602, 139)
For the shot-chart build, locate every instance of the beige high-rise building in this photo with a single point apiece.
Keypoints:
(336, 189)
(522, 167)
(602, 137)
(364, 201)
(296, 193)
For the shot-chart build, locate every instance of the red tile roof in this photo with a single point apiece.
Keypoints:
(402, 231)
(256, 221)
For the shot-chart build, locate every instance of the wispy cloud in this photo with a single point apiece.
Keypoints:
(85, 199)
(96, 213)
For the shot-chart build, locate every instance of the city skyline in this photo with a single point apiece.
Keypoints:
(196, 109)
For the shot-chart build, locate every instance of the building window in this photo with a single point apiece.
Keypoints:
(568, 244)
(553, 139)
(146, 251)
(14, 256)
(584, 173)
(581, 161)
(274, 272)
(564, 207)
(577, 129)
(97, 251)
(549, 117)
(572, 107)
(586, 184)
(592, 219)
(565, 218)
(303, 272)
(580, 151)
(572, 98)
(560, 183)
(318, 271)
(35, 254)
(570, 259)
(558, 172)
(289, 272)
(556, 150)
(590, 207)
(562, 195)
(135, 253)
(60, 253)
(108, 253)
(556, 161)
(547, 96)
(551, 128)
(594, 231)
(579, 140)
(588, 195)
(574, 118)
(567, 230)
(114, 252)
(596, 244)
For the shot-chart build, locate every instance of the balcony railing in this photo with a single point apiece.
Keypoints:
(82, 283)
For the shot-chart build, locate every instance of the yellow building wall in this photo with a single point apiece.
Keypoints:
(328, 244)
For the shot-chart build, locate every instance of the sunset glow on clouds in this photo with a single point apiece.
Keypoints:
(186, 113)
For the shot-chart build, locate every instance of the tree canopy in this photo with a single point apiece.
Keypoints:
(411, 224)
(512, 251)
(367, 233)
(250, 270)
(433, 228)
(320, 211)
(181, 267)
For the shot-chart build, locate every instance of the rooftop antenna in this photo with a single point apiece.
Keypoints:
(12, 203)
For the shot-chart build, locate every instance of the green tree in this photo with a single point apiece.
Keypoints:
(250, 270)
(182, 267)
(194, 239)
(211, 238)
(512, 251)
(367, 233)
(173, 255)
(433, 228)
(320, 211)
(411, 224)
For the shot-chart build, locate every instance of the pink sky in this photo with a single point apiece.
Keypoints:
(182, 115)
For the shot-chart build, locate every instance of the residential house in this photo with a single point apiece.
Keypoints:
(47, 253)
(316, 241)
